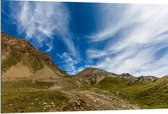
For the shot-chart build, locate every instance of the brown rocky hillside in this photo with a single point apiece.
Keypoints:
(21, 60)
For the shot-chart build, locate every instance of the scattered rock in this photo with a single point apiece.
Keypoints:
(77, 105)
(52, 103)
(44, 103)
(94, 101)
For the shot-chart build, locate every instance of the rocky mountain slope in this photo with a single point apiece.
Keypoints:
(92, 76)
(31, 82)
(21, 60)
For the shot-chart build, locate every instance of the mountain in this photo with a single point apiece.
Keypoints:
(32, 82)
(154, 94)
(94, 72)
(93, 75)
(150, 78)
(143, 91)
(147, 92)
(143, 78)
(21, 60)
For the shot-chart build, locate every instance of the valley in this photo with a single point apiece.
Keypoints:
(32, 82)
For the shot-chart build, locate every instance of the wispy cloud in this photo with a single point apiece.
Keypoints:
(127, 38)
(41, 22)
(95, 53)
(111, 22)
(144, 33)
(69, 63)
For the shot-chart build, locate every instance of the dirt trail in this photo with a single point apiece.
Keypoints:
(91, 100)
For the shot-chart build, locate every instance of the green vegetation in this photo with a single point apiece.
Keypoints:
(25, 84)
(30, 96)
(113, 84)
(34, 101)
(145, 94)
(12, 59)
(35, 63)
(154, 95)
(42, 96)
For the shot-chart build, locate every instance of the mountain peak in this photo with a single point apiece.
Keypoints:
(91, 71)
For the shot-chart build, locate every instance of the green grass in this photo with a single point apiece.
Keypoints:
(30, 96)
(155, 96)
(35, 96)
(145, 94)
(34, 101)
(113, 84)
(26, 84)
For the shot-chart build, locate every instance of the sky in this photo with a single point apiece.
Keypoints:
(120, 38)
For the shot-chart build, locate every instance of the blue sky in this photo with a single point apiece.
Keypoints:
(119, 38)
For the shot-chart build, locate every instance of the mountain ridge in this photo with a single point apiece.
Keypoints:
(29, 84)
(21, 53)
(95, 75)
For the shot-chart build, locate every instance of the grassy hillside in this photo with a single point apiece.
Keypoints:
(30, 96)
(66, 94)
(154, 95)
(144, 93)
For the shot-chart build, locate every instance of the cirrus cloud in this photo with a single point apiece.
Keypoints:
(41, 22)
(141, 48)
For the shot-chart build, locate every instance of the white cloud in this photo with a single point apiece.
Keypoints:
(78, 70)
(68, 62)
(144, 32)
(95, 53)
(42, 21)
(113, 21)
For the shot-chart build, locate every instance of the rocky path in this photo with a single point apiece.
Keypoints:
(91, 100)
